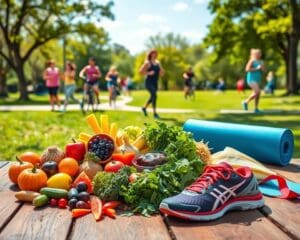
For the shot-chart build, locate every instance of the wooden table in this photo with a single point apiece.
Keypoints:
(279, 219)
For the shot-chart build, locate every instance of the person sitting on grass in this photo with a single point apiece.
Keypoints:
(51, 75)
(254, 69)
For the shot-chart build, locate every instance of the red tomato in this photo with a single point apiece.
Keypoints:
(113, 166)
(125, 158)
(53, 202)
(133, 177)
(62, 203)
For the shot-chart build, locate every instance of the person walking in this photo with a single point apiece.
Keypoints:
(91, 74)
(188, 82)
(152, 69)
(51, 75)
(70, 86)
(112, 84)
(254, 69)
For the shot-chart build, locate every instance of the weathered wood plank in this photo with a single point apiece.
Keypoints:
(45, 223)
(121, 228)
(234, 225)
(8, 204)
(285, 213)
(291, 171)
(2, 163)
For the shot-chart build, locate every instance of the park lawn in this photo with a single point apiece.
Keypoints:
(35, 131)
(212, 100)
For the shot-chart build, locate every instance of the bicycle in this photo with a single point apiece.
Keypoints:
(89, 99)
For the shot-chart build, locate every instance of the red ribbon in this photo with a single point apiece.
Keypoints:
(286, 193)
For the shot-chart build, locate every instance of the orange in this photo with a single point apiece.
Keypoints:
(31, 157)
(69, 166)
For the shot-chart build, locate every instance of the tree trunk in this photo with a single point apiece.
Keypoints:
(3, 86)
(22, 81)
(292, 87)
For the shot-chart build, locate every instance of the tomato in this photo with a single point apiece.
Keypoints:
(62, 203)
(96, 206)
(53, 202)
(133, 177)
(113, 166)
(112, 204)
(78, 212)
(125, 158)
(82, 177)
(110, 212)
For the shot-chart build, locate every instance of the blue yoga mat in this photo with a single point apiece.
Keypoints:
(265, 144)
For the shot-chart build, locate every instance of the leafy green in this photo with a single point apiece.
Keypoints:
(183, 167)
(107, 185)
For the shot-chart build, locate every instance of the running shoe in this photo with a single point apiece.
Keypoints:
(156, 116)
(144, 110)
(218, 190)
(256, 110)
(245, 105)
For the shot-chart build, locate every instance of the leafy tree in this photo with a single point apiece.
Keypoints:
(28, 24)
(123, 60)
(267, 24)
(171, 50)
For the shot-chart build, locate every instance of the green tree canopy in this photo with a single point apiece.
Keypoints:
(267, 24)
(28, 24)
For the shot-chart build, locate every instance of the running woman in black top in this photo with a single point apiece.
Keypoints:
(188, 81)
(152, 70)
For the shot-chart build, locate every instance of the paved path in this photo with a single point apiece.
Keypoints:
(121, 105)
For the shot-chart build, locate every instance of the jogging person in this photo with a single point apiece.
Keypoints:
(91, 73)
(70, 86)
(112, 83)
(188, 81)
(152, 70)
(51, 75)
(254, 69)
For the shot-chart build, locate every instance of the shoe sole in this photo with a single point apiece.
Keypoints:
(234, 205)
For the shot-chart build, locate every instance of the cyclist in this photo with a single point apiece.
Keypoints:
(91, 73)
(188, 82)
(112, 83)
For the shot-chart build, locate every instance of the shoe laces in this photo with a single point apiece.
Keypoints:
(210, 175)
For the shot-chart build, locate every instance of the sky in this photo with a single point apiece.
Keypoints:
(137, 20)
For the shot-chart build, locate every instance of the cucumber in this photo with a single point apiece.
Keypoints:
(54, 192)
(40, 201)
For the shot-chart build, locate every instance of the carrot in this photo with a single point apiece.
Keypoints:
(112, 204)
(78, 212)
(110, 212)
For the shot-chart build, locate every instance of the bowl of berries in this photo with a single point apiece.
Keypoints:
(102, 146)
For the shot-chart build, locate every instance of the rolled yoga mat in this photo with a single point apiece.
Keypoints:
(265, 144)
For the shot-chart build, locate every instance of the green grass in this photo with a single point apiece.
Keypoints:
(210, 100)
(20, 131)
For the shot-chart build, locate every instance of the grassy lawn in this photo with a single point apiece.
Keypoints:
(35, 131)
(210, 100)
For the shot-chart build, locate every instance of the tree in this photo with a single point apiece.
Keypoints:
(171, 50)
(267, 24)
(32, 23)
(123, 60)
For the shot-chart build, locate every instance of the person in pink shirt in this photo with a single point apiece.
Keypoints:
(91, 73)
(51, 76)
